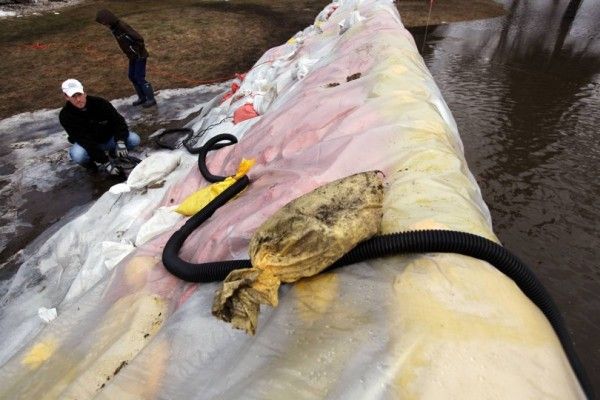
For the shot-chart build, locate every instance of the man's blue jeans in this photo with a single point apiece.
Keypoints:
(80, 156)
(137, 75)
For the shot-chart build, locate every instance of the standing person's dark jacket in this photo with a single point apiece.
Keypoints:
(96, 124)
(131, 42)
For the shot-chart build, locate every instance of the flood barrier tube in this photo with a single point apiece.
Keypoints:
(425, 241)
(445, 241)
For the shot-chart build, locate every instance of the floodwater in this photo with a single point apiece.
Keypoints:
(525, 92)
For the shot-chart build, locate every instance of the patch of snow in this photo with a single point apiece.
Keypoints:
(4, 14)
(35, 8)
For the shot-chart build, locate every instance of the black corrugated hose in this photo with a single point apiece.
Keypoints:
(426, 241)
(213, 143)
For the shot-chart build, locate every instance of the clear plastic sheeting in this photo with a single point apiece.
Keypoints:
(425, 326)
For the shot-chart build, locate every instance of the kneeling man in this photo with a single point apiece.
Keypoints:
(95, 128)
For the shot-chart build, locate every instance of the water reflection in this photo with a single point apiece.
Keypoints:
(525, 91)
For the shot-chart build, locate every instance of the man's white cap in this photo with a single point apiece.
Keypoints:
(72, 86)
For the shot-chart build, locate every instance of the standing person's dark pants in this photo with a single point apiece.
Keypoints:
(132, 44)
(137, 76)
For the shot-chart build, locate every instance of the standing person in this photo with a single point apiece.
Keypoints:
(132, 44)
(95, 128)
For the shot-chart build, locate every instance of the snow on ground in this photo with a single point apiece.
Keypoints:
(35, 8)
(4, 14)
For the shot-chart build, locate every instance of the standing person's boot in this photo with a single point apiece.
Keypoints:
(141, 96)
(149, 93)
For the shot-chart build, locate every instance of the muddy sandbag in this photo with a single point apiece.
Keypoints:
(300, 240)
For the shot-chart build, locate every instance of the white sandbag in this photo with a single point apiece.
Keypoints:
(163, 219)
(119, 188)
(304, 66)
(153, 169)
(263, 100)
(349, 22)
(114, 252)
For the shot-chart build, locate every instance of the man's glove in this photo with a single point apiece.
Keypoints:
(110, 169)
(121, 150)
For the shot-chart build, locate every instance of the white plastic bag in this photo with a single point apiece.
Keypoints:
(153, 169)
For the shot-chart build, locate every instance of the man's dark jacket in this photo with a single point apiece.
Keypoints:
(93, 125)
(131, 42)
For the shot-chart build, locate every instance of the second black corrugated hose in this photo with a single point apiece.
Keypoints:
(425, 241)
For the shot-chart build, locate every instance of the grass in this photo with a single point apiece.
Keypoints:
(190, 43)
